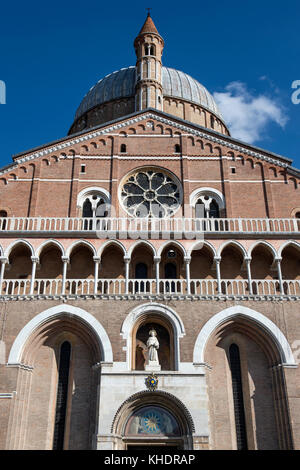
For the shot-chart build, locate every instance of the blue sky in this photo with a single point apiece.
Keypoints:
(245, 53)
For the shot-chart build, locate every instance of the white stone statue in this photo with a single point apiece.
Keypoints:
(152, 346)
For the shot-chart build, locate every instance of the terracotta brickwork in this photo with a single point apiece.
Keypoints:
(231, 277)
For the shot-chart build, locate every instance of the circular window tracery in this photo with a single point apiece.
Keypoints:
(151, 193)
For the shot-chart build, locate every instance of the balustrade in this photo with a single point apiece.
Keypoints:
(184, 227)
(180, 287)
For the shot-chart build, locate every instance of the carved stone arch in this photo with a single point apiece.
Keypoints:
(21, 350)
(278, 345)
(286, 244)
(148, 313)
(212, 192)
(49, 243)
(263, 352)
(163, 400)
(19, 243)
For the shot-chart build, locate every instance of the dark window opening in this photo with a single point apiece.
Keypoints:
(123, 148)
(62, 396)
(141, 272)
(214, 210)
(238, 401)
(177, 148)
(3, 215)
(170, 273)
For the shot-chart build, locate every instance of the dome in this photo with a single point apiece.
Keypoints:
(121, 84)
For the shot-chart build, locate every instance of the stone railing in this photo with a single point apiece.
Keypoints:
(120, 287)
(112, 227)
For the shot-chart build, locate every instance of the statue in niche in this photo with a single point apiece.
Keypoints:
(152, 346)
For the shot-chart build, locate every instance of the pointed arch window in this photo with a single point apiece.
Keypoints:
(238, 401)
(62, 396)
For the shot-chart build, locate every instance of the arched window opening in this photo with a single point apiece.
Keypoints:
(123, 148)
(238, 401)
(3, 222)
(87, 209)
(62, 396)
(93, 206)
(207, 207)
(212, 122)
(214, 210)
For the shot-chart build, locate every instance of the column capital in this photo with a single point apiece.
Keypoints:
(96, 259)
(127, 259)
(65, 259)
(35, 259)
(187, 259)
(217, 259)
(278, 259)
(3, 259)
(157, 259)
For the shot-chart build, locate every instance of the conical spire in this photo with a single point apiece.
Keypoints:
(149, 26)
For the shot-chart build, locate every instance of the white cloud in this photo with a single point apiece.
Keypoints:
(247, 115)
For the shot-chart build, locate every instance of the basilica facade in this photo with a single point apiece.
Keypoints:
(150, 277)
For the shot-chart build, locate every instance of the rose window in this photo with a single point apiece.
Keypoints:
(149, 193)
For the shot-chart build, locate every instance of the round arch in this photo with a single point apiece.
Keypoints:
(172, 242)
(260, 320)
(49, 243)
(214, 193)
(165, 312)
(289, 243)
(83, 243)
(201, 244)
(145, 243)
(234, 244)
(92, 190)
(161, 399)
(262, 243)
(19, 243)
(108, 243)
(46, 316)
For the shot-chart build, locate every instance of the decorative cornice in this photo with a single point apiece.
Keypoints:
(182, 297)
(60, 146)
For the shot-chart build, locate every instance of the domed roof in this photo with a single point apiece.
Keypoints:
(121, 84)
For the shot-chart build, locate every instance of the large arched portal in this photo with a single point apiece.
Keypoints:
(57, 354)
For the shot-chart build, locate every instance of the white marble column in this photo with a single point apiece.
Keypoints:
(157, 261)
(218, 271)
(33, 271)
(65, 261)
(187, 261)
(3, 263)
(96, 273)
(248, 266)
(126, 261)
(278, 262)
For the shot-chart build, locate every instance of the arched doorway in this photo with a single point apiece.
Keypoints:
(153, 420)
